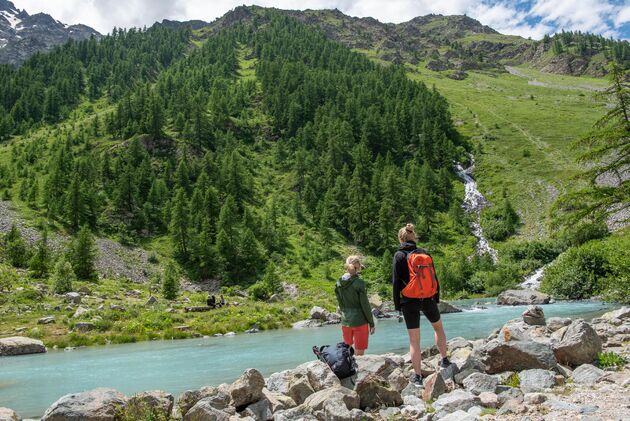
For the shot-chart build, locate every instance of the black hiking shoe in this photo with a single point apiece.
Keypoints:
(445, 363)
(417, 379)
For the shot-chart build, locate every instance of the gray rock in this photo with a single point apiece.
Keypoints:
(622, 313)
(319, 375)
(7, 414)
(510, 393)
(81, 311)
(151, 301)
(557, 405)
(489, 399)
(20, 345)
(446, 308)
(247, 389)
(458, 399)
(555, 323)
(389, 413)
(73, 297)
(278, 401)
(397, 380)
(84, 326)
(299, 413)
(374, 391)
(155, 404)
(449, 372)
(259, 411)
(588, 374)
(459, 415)
(204, 411)
(461, 376)
(515, 297)
(190, 397)
(318, 313)
(498, 356)
(537, 380)
(535, 398)
(434, 386)
(579, 344)
(534, 316)
(512, 406)
(46, 320)
(412, 390)
(380, 365)
(480, 382)
(317, 400)
(117, 307)
(94, 405)
(303, 324)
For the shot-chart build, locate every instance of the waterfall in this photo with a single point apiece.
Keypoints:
(532, 281)
(474, 202)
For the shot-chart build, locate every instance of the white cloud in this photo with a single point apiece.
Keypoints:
(542, 16)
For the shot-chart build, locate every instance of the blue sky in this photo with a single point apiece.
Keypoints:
(528, 18)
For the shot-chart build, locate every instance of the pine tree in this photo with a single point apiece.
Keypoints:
(180, 224)
(170, 282)
(82, 255)
(15, 248)
(63, 277)
(40, 261)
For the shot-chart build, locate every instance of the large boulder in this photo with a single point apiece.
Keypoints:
(446, 308)
(458, 399)
(374, 391)
(579, 344)
(480, 382)
(73, 297)
(319, 375)
(278, 401)
(318, 313)
(95, 405)
(557, 323)
(259, 411)
(380, 365)
(20, 345)
(318, 400)
(499, 356)
(7, 414)
(219, 398)
(534, 316)
(204, 411)
(247, 389)
(536, 380)
(514, 297)
(588, 374)
(155, 404)
(622, 313)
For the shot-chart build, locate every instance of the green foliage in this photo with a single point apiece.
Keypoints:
(513, 380)
(82, 255)
(16, 251)
(610, 359)
(577, 273)
(582, 233)
(63, 277)
(501, 221)
(40, 262)
(170, 281)
(8, 278)
(270, 284)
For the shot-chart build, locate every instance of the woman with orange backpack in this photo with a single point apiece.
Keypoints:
(416, 290)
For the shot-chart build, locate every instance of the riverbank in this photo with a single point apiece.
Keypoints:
(537, 367)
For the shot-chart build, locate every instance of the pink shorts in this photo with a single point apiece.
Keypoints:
(356, 336)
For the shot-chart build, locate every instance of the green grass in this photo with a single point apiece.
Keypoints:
(610, 359)
(524, 133)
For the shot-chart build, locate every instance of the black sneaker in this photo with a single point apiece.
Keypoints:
(445, 363)
(417, 379)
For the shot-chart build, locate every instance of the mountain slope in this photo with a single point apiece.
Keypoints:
(22, 35)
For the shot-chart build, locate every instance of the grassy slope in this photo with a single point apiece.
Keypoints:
(509, 119)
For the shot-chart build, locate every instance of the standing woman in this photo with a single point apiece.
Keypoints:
(357, 322)
(417, 293)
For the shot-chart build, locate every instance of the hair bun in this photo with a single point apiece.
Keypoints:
(409, 228)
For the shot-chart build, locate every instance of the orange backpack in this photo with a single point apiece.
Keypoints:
(423, 281)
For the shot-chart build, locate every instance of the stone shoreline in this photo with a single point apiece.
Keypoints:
(531, 369)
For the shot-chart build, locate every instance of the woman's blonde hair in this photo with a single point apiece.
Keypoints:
(407, 233)
(352, 262)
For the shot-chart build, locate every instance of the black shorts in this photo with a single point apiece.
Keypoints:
(411, 312)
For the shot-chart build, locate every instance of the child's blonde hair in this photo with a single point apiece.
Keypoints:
(351, 264)
(407, 233)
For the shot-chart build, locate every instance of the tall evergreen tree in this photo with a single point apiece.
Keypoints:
(82, 255)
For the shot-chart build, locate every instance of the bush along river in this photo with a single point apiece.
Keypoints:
(30, 383)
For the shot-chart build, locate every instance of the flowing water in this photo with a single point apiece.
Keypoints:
(31, 383)
(474, 202)
(533, 280)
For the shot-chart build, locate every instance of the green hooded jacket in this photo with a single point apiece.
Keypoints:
(353, 301)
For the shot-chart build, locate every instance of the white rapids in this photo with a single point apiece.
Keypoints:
(532, 281)
(474, 202)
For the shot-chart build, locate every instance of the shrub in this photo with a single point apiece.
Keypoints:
(15, 248)
(170, 282)
(504, 277)
(577, 273)
(270, 284)
(583, 233)
(500, 222)
(63, 277)
(8, 278)
(610, 359)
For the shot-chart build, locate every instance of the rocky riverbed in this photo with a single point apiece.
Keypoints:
(532, 368)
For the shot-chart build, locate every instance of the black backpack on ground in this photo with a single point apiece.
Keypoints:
(340, 359)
